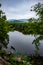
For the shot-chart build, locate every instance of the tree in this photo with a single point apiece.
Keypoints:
(30, 20)
(3, 32)
(38, 8)
(36, 41)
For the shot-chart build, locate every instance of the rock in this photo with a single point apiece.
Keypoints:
(3, 62)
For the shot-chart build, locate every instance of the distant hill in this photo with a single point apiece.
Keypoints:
(19, 20)
(24, 20)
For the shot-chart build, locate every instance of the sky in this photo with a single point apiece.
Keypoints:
(19, 9)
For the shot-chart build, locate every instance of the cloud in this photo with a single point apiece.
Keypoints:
(20, 16)
(19, 8)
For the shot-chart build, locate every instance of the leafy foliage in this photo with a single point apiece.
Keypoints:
(3, 31)
(27, 28)
(38, 8)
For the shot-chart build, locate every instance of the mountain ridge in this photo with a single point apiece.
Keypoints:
(18, 20)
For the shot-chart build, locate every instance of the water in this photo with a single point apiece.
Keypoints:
(23, 43)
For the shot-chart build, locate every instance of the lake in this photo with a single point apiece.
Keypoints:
(23, 43)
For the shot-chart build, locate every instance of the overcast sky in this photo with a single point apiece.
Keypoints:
(19, 9)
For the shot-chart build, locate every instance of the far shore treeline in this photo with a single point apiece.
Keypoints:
(26, 28)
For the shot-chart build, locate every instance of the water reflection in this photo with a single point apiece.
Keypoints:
(25, 44)
(36, 41)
